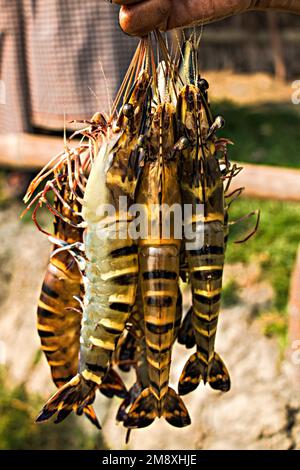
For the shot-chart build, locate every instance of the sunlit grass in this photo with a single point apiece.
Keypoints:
(274, 246)
(266, 134)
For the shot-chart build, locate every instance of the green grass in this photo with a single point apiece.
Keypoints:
(265, 134)
(18, 431)
(274, 246)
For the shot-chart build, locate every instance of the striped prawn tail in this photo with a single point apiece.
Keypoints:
(146, 408)
(194, 371)
(76, 396)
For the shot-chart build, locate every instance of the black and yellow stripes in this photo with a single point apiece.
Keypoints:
(206, 265)
(159, 258)
(164, 158)
(112, 264)
(122, 176)
(159, 293)
(131, 353)
(110, 301)
(206, 259)
(158, 276)
(58, 313)
(206, 272)
(59, 318)
(131, 349)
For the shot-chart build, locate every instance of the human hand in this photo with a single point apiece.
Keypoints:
(138, 17)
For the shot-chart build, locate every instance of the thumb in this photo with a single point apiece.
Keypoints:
(141, 18)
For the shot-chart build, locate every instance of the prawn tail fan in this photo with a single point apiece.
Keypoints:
(146, 408)
(112, 385)
(89, 412)
(74, 396)
(219, 378)
(194, 371)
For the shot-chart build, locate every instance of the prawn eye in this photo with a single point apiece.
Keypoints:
(219, 122)
(128, 110)
(203, 84)
(183, 143)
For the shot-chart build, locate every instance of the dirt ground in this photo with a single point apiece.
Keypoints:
(247, 89)
(262, 411)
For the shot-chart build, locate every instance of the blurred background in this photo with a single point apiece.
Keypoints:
(51, 68)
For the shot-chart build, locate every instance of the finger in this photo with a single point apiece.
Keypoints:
(143, 17)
